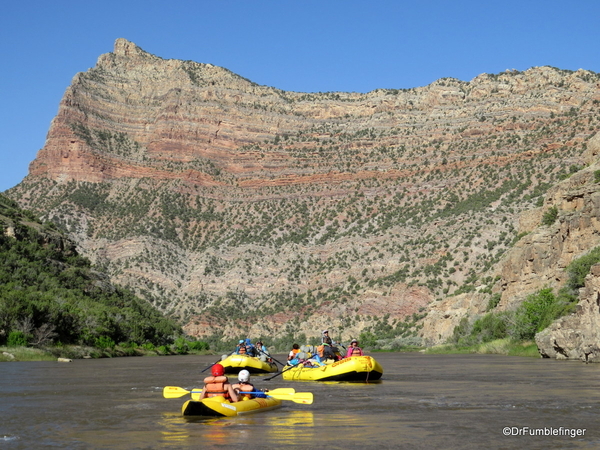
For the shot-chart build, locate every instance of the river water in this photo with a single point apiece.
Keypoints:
(422, 401)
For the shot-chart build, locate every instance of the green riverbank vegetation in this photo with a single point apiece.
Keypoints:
(513, 332)
(54, 302)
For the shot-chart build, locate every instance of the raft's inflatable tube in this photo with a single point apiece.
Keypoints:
(220, 407)
(355, 368)
(235, 363)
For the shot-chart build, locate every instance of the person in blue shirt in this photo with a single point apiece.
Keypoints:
(250, 350)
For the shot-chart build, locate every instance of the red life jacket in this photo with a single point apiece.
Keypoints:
(215, 386)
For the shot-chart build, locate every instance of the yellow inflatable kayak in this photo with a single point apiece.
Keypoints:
(355, 368)
(220, 407)
(235, 363)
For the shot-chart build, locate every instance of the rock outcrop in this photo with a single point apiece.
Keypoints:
(539, 258)
(576, 336)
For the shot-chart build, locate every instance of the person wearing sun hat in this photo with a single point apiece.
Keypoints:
(262, 351)
(354, 349)
(328, 348)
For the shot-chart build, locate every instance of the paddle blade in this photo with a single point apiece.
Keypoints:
(297, 397)
(174, 392)
(285, 391)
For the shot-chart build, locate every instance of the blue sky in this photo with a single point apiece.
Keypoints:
(302, 45)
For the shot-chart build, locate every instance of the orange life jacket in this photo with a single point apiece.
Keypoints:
(356, 351)
(244, 387)
(215, 386)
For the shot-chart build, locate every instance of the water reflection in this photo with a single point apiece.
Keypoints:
(293, 426)
(422, 402)
(171, 429)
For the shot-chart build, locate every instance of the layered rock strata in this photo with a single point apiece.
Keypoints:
(243, 208)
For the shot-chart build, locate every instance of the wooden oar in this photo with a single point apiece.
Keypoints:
(176, 392)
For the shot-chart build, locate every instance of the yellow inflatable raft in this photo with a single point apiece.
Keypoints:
(355, 368)
(235, 363)
(220, 407)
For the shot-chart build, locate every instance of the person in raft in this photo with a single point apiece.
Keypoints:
(240, 344)
(293, 352)
(218, 385)
(328, 349)
(244, 385)
(250, 348)
(263, 352)
(354, 349)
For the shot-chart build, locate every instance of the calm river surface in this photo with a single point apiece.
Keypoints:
(422, 401)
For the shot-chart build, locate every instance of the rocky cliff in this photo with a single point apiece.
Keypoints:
(539, 258)
(576, 336)
(244, 209)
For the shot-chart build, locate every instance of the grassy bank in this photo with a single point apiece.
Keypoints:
(498, 347)
(81, 352)
(24, 354)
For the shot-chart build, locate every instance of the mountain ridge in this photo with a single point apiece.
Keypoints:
(202, 190)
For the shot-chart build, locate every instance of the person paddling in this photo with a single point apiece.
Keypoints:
(218, 385)
(244, 385)
(354, 349)
(263, 352)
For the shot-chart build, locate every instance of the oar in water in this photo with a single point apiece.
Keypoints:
(176, 392)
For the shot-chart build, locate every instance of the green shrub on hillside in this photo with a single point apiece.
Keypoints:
(550, 216)
(580, 268)
(536, 313)
(50, 295)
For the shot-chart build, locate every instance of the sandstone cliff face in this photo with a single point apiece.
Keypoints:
(236, 206)
(538, 260)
